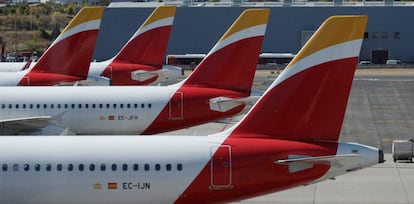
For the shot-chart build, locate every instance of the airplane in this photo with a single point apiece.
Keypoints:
(139, 62)
(219, 87)
(63, 62)
(288, 139)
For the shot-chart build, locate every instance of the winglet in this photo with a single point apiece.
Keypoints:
(63, 57)
(232, 62)
(308, 100)
(149, 43)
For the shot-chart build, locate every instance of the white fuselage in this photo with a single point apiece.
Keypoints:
(157, 184)
(97, 68)
(12, 66)
(12, 78)
(157, 169)
(88, 110)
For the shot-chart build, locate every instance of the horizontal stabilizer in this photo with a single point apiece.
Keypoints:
(174, 71)
(224, 104)
(142, 75)
(298, 163)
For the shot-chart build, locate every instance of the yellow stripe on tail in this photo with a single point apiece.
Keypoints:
(330, 33)
(159, 13)
(85, 14)
(254, 17)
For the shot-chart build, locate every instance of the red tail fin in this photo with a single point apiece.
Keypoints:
(308, 100)
(149, 44)
(232, 62)
(71, 52)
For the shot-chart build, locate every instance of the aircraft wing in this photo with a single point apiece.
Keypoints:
(34, 122)
(299, 163)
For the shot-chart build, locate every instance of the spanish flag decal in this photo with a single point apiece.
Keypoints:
(113, 186)
(111, 117)
(97, 186)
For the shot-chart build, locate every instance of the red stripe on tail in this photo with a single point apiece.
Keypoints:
(307, 106)
(70, 56)
(232, 67)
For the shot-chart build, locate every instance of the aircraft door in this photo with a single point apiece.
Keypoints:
(176, 106)
(221, 167)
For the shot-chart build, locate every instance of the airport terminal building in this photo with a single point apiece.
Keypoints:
(198, 25)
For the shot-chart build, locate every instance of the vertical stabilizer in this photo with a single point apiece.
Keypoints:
(308, 100)
(149, 43)
(232, 62)
(71, 52)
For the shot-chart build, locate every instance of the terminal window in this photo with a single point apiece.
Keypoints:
(384, 35)
(397, 35)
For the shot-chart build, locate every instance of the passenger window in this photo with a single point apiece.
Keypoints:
(135, 167)
(37, 106)
(86, 105)
(124, 167)
(114, 105)
(10, 106)
(81, 167)
(128, 105)
(66, 105)
(51, 106)
(100, 105)
(93, 106)
(15, 167)
(31, 106)
(48, 167)
(142, 105)
(146, 167)
(58, 106)
(121, 105)
(70, 167)
(44, 106)
(92, 167)
(103, 167)
(26, 167)
(168, 167)
(24, 106)
(107, 105)
(17, 106)
(59, 167)
(80, 105)
(37, 167)
(3, 106)
(179, 167)
(113, 167)
(135, 105)
(157, 167)
(73, 105)
(4, 167)
(149, 105)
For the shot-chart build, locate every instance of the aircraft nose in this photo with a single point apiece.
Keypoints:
(381, 156)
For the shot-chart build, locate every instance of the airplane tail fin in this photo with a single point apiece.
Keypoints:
(231, 63)
(308, 100)
(72, 51)
(149, 43)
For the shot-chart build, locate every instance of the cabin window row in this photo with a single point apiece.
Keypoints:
(90, 167)
(79, 106)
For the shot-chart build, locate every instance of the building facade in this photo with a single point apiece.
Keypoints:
(389, 33)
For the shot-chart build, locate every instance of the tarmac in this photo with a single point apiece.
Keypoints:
(380, 109)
